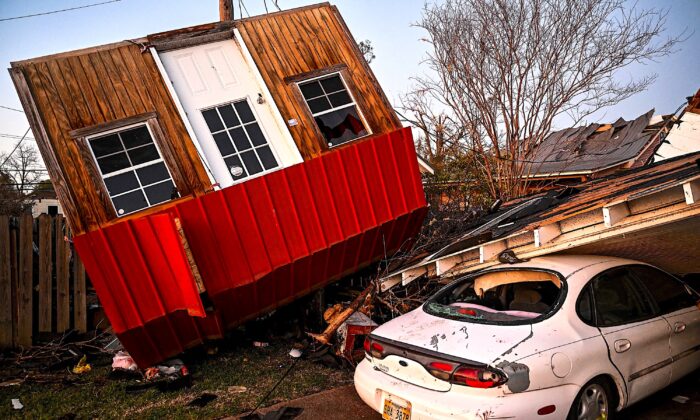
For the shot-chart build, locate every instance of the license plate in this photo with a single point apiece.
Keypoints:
(396, 411)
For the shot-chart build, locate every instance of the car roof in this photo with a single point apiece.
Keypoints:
(569, 264)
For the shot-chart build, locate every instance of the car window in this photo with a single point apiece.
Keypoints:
(584, 306)
(619, 299)
(499, 296)
(669, 293)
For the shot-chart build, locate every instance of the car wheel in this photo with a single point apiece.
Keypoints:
(595, 401)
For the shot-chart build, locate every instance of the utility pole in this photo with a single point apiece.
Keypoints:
(225, 10)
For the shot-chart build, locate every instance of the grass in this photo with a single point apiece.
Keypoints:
(95, 395)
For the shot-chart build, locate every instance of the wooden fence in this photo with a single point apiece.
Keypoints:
(42, 281)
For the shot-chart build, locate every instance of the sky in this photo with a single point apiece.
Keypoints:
(387, 23)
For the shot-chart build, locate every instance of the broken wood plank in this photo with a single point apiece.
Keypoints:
(45, 273)
(412, 274)
(339, 318)
(25, 290)
(444, 264)
(5, 284)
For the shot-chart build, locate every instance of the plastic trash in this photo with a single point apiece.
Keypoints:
(83, 366)
(16, 404)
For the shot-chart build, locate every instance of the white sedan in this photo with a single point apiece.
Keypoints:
(556, 337)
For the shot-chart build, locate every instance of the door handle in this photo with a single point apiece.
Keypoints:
(622, 346)
(678, 327)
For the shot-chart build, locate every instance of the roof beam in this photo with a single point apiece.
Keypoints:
(443, 265)
(691, 190)
(546, 233)
(491, 250)
(412, 274)
(614, 213)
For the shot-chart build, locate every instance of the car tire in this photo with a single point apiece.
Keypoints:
(596, 400)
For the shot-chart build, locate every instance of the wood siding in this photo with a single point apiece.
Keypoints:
(92, 87)
(287, 44)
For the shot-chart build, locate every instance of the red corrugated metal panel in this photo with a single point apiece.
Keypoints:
(264, 242)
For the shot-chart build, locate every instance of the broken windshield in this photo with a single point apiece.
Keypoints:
(501, 296)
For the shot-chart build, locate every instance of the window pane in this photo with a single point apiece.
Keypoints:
(332, 84)
(619, 299)
(143, 154)
(341, 125)
(213, 121)
(339, 98)
(136, 137)
(311, 90)
(105, 145)
(584, 308)
(223, 142)
(319, 105)
(160, 192)
(267, 158)
(251, 162)
(113, 163)
(153, 173)
(670, 294)
(240, 139)
(235, 167)
(244, 111)
(121, 183)
(256, 135)
(129, 202)
(229, 116)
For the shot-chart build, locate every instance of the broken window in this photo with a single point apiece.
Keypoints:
(239, 139)
(502, 296)
(132, 168)
(333, 109)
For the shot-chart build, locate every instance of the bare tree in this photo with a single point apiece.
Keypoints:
(20, 174)
(503, 70)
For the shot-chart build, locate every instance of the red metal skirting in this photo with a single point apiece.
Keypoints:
(257, 245)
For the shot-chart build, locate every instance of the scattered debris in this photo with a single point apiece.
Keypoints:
(336, 317)
(83, 366)
(16, 404)
(351, 335)
(122, 360)
(284, 413)
(202, 400)
(236, 389)
(260, 344)
(680, 399)
(295, 353)
(11, 382)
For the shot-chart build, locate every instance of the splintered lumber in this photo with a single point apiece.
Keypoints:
(337, 319)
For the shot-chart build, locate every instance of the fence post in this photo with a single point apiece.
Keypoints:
(62, 274)
(45, 270)
(5, 284)
(79, 301)
(25, 281)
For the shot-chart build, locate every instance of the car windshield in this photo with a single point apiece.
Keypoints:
(502, 296)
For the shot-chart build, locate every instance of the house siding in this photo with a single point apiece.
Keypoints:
(87, 88)
(288, 45)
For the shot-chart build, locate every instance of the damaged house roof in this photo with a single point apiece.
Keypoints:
(597, 148)
(650, 213)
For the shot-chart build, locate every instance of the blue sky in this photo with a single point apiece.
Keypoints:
(387, 23)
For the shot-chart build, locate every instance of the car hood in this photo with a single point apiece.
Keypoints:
(484, 343)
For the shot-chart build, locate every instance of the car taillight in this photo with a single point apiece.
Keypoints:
(374, 349)
(476, 377)
(441, 370)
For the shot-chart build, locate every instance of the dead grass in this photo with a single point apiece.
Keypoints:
(257, 369)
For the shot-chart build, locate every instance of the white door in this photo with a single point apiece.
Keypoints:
(240, 137)
(637, 337)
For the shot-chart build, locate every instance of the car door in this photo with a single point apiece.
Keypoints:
(678, 305)
(637, 337)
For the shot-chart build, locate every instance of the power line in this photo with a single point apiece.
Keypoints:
(59, 11)
(15, 137)
(16, 147)
(11, 109)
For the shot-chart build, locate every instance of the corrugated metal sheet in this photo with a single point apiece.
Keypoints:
(257, 245)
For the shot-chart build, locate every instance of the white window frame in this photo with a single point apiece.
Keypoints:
(130, 168)
(268, 141)
(353, 103)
